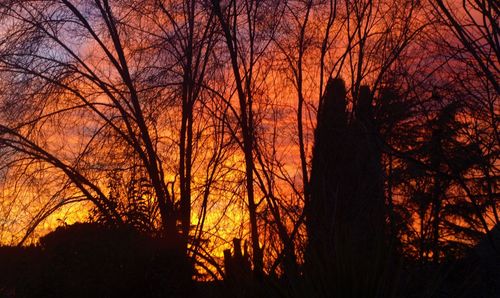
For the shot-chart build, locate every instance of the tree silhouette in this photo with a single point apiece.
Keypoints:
(345, 215)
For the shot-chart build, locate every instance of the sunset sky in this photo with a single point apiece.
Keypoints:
(96, 98)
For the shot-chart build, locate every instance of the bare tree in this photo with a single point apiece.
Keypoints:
(109, 91)
(475, 25)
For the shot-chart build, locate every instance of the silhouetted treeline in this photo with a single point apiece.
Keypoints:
(351, 250)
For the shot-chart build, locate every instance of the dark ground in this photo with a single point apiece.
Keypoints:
(87, 260)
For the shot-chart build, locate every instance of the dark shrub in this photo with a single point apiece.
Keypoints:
(92, 260)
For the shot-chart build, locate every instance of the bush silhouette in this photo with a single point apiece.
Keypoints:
(92, 260)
